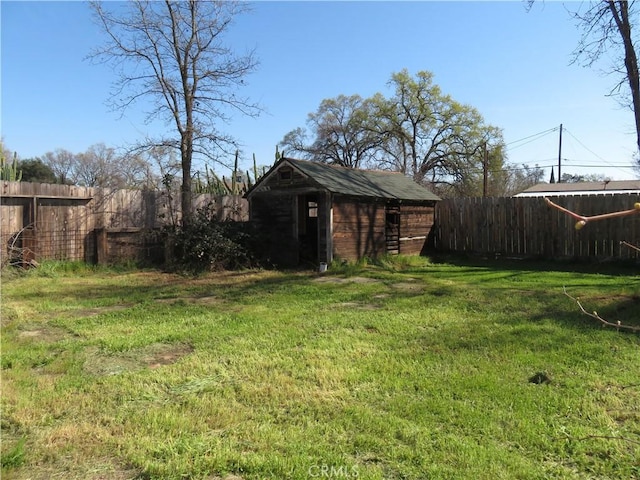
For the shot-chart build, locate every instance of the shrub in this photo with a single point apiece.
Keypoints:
(209, 244)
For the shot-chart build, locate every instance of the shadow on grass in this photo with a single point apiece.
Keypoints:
(614, 268)
(161, 287)
(509, 283)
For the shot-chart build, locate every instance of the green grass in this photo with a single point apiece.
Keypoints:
(397, 369)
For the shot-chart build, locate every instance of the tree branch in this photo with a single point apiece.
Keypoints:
(582, 220)
(627, 244)
(617, 325)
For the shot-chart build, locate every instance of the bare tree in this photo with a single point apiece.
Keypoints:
(607, 27)
(172, 54)
(519, 179)
(102, 166)
(62, 162)
(97, 167)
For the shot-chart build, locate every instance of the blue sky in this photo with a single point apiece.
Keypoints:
(510, 64)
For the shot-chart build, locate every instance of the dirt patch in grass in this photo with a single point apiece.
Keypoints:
(86, 471)
(192, 300)
(151, 356)
(330, 279)
(92, 312)
(43, 333)
(166, 354)
(408, 287)
(358, 305)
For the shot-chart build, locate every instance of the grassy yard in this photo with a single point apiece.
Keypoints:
(409, 369)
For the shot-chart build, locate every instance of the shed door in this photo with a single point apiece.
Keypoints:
(308, 228)
(392, 228)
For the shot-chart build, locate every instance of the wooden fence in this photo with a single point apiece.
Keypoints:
(63, 222)
(528, 227)
(44, 221)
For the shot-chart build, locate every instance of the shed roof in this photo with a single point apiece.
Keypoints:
(608, 187)
(360, 183)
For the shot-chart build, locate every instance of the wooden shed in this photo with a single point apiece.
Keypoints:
(312, 213)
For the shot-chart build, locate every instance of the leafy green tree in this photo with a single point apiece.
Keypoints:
(172, 53)
(418, 131)
(430, 136)
(342, 133)
(473, 182)
(35, 170)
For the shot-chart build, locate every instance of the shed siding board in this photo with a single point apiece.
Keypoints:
(274, 182)
(358, 229)
(416, 222)
(412, 246)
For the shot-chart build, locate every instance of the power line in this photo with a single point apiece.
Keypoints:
(609, 164)
(530, 138)
(537, 136)
(584, 146)
(598, 166)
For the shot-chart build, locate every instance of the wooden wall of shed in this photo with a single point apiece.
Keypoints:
(276, 182)
(358, 229)
(416, 222)
(274, 215)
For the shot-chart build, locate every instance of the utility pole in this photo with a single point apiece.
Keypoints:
(560, 156)
(485, 166)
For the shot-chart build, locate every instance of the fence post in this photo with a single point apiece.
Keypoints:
(102, 248)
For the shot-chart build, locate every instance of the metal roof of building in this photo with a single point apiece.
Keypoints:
(609, 187)
(363, 183)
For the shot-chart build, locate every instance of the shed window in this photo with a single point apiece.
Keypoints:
(285, 174)
(312, 209)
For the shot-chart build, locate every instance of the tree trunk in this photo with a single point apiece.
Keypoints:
(620, 12)
(186, 198)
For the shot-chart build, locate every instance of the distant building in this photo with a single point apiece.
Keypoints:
(607, 187)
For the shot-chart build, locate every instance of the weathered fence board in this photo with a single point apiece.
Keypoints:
(528, 227)
(47, 221)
